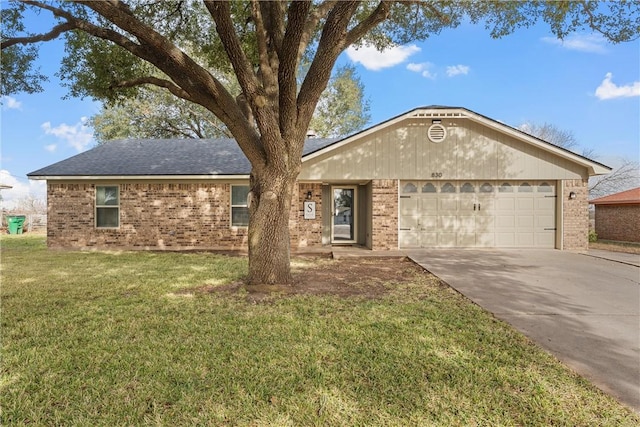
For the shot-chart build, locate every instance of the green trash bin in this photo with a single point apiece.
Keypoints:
(15, 223)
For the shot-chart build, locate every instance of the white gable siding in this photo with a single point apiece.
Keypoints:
(469, 151)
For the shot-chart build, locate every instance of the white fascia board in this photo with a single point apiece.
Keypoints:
(140, 177)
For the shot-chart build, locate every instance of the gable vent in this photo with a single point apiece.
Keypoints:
(436, 133)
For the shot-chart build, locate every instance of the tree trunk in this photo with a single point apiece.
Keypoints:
(269, 244)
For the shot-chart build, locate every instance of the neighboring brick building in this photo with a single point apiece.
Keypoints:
(432, 177)
(618, 216)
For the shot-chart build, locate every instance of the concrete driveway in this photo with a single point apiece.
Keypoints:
(583, 309)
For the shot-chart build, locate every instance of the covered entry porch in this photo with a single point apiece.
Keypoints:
(347, 213)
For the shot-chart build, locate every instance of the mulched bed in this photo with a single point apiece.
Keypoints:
(348, 277)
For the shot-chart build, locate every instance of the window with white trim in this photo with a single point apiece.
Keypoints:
(239, 206)
(107, 206)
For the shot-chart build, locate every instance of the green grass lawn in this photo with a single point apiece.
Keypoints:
(112, 338)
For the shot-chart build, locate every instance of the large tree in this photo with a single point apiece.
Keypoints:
(156, 113)
(113, 47)
(342, 109)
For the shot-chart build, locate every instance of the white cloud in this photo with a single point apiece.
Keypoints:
(20, 189)
(78, 136)
(51, 147)
(609, 90)
(10, 103)
(592, 43)
(424, 68)
(428, 74)
(455, 70)
(373, 59)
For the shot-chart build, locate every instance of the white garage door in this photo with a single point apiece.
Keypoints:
(477, 214)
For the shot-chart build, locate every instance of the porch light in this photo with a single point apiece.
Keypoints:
(309, 195)
(572, 195)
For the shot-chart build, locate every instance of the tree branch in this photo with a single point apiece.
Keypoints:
(275, 12)
(377, 16)
(54, 33)
(221, 14)
(163, 83)
(312, 23)
(624, 177)
(263, 41)
(267, 32)
(265, 114)
(331, 44)
(597, 28)
(203, 88)
(289, 61)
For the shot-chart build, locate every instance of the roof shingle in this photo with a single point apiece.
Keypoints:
(145, 157)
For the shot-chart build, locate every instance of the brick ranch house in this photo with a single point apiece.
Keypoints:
(432, 177)
(618, 216)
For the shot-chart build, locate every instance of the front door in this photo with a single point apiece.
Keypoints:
(343, 223)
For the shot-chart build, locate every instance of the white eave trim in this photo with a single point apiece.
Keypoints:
(140, 177)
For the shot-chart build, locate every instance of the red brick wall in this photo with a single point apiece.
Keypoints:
(196, 215)
(575, 214)
(152, 215)
(618, 222)
(306, 232)
(166, 216)
(384, 206)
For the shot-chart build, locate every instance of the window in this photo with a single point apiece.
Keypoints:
(467, 188)
(428, 188)
(486, 188)
(107, 207)
(545, 188)
(239, 208)
(505, 188)
(448, 188)
(410, 188)
(525, 187)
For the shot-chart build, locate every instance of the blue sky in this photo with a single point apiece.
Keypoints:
(582, 84)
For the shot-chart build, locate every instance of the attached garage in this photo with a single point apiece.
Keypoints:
(477, 214)
(455, 178)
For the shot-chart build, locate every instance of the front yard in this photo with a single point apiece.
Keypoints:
(122, 338)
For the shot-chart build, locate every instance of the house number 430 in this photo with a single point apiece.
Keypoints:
(436, 174)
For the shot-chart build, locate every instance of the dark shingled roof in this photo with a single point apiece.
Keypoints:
(139, 157)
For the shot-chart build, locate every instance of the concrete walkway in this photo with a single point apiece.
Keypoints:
(583, 309)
